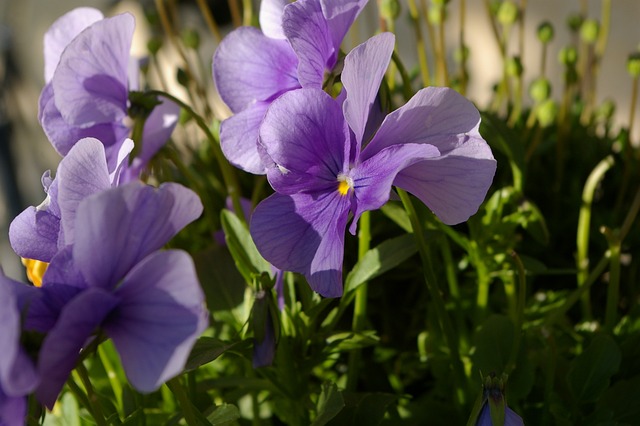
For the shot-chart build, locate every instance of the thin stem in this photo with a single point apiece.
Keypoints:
(420, 44)
(406, 80)
(519, 312)
(247, 12)
(360, 304)
(112, 376)
(442, 57)
(92, 397)
(235, 12)
(183, 400)
(464, 78)
(438, 302)
(208, 18)
(613, 290)
(584, 225)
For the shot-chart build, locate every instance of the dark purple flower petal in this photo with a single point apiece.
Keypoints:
(305, 135)
(249, 66)
(90, 82)
(62, 31)
(373, 178)
(364, 69)
(437, 116)
(511, 418)
(61, 348)
(239, 138)
(271, 18)
(308, 32)
(304, 233)
(17, 374)
(13, 410)
(129, 222)
(159, 318)
(455, 184)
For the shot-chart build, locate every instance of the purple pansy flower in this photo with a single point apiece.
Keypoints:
(37, 232)
(88, 75)
(322, 170)
(18, 375)
(114, 277)
(298, 44)
(511, 418)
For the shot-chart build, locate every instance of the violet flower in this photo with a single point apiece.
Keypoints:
(18, 375)
(37, 233)
(88, 75)
(299, 43)
(322, 171)
(511, 418)
(114, 278)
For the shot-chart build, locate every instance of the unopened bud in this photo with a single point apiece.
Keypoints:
(545, 32)
(568, 56)
(540, 89)
(633, 64)
(191, 38)
(390, 9)
(514, 67)
(547, 112)
(574, 22)
(589, 31)
(507, 13)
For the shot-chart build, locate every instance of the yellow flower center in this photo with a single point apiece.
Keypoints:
(345, 183)
(35, 270)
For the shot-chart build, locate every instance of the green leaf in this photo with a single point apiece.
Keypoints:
(616, 399)
(494, 343)
(224, 415)
(350, 340)
(590, 372)
(208, 349)
(381, 259)
(397, 214)
(244, 251)
(363, 409)
(330, 403)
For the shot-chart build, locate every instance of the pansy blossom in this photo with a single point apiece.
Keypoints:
(323, 170)
(299, 43)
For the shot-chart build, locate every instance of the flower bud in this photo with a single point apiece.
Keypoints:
(633, 64)
(154, 45)
(514, 67)
(461, 54)
(589, 31)
(191, 38)
(568, 56)
(389, 9)
(547, 112)
(540, 89)
(574, 22)
(436, 14)
(545, 32)
(507, 13)
(606, 109)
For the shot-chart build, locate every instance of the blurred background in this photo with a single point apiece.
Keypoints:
(25, 153)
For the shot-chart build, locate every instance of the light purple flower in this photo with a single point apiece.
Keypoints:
(114, 277)
(40, 232)
(323, 170)
(88, 76)
(299, 43)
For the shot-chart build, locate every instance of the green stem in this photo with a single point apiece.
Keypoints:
(584, 225)
(228, 174)
(208, 17)
(113, 378)
(420, 44)
(464, 78)
(92, 397)
(613, 290)
(519, 312)
(360, 304)
(438, 302)
(183, 400)
(406, 81)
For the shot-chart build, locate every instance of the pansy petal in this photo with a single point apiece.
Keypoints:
(130, 222)
(305, 135)
(13, 410)
(160, 316)
(90, 82)
(239, 138)
(17, 374)
(64, 136)
(308, 32)
(453, 185)
(34, 234)
(364, 68)
(340, 15)
(62, 31)
(373, 178)
(249, 66)
(304, 233)
(437, 116)
(81, 173)
(77, 322)
(271, 18)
